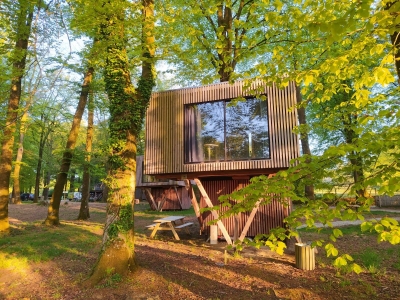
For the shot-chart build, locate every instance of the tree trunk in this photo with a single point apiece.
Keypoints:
(72, 181)
(54, 207)
(46, 181)
(395, 39)
(84, 210)
(127, 111)
(20, 153)
(355, 159)
(38, 170)
(305, 144)
(25, 17)
(17, 169)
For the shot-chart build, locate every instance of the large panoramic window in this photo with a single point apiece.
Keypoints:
(217, 131)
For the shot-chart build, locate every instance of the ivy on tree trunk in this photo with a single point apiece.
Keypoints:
(127, 110)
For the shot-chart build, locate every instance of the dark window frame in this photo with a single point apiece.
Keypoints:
(266, 117)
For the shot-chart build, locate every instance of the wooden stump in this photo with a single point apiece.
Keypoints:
(305, 256)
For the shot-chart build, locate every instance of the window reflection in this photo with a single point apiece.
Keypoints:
(217, 131)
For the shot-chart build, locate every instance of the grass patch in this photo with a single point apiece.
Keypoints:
(346, 230)
(370, 259)
(40, 243)
(381, 213)
(143, 210)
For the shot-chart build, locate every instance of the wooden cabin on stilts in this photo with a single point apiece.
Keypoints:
(194, 135)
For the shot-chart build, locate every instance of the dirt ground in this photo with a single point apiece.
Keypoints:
(192, 269)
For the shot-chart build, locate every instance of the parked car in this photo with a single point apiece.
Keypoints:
(75, 196)
(27, 196)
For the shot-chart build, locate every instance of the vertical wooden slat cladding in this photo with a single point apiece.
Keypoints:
(271, 125)
(165, 129)
(267, 217)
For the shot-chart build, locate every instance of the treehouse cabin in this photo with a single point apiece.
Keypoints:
(199, 135)
(162, 194)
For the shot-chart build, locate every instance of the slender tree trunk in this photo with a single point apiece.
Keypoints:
(72, 181)
(46, 181)
(224, 17)
(20, 153)
(84, 210)
(38, 170)
(127, 110)
(355, 159)
(54, 207)
(25, 16)
(305, 144)
(17, 169)
(395, 39)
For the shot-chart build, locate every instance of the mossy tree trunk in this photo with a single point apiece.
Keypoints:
(24, 22)
(84, 209)
(54, 207)
(127, 110)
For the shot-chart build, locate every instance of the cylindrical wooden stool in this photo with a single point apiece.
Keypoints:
(305, 256)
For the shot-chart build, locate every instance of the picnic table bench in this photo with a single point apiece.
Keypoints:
(171, 223)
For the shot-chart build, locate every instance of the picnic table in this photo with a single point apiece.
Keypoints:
(172, 223)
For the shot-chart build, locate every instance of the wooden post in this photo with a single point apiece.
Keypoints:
(150, 198)
(305, 256)
(196, 207)
(213, 212)
(249, 221)
(177, 196)
(164, 197)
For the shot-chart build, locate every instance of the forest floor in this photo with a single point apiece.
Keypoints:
(191, 268)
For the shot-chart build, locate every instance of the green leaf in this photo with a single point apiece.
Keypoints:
(366, 226)
(379, 228)
(340, 262)
(383, 76)
(337, 232)
(356, 268)
(331, 250)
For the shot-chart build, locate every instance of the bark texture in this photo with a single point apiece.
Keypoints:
(54, 207)
(84, 209)
(25, 16)
(395, 39)
(44, 133)
(18, 160)
(127, 110)
(305, 143)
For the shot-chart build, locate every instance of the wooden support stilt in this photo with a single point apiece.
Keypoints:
(249, 221)
(150, 198)
(177, 196)
(194, 203)
(251, 217)
(221, 226)
(164, 197)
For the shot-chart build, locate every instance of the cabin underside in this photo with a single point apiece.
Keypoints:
(167, 197)
(260, 220)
